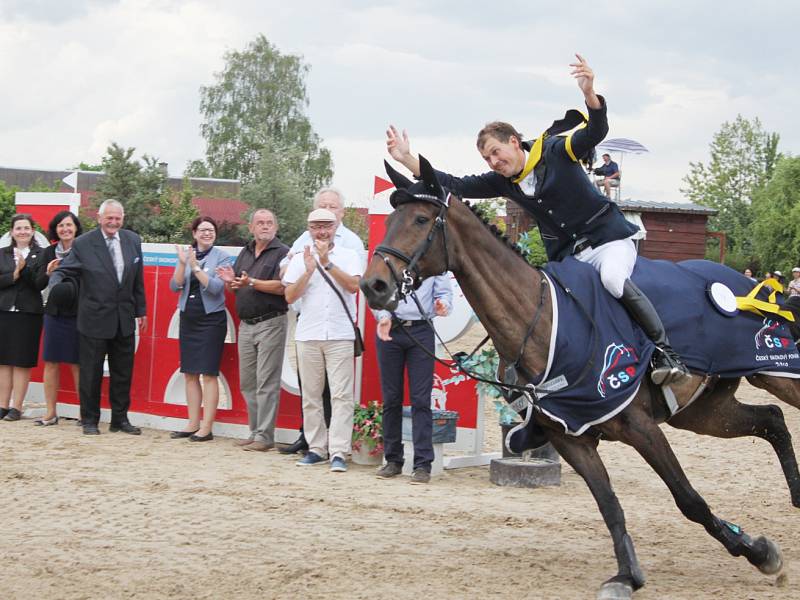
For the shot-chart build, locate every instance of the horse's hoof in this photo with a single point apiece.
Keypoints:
(615, 591)
(774, 561)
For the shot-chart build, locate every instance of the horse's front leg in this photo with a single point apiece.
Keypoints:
(581, 454)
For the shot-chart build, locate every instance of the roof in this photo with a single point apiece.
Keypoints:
(665, 207)
(222, 209)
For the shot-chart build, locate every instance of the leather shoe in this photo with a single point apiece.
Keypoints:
(125, 428)
(246, 442)
(201, 438)
(90, 429)
(258, 447)
(299, 446)
(177, 435)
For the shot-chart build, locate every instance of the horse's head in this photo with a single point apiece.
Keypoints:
(414, 246)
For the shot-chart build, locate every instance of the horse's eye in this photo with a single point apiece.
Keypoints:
(420, 220)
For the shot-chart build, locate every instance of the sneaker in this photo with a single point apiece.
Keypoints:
(420, 476)
(338, 465)
(310, 459)
(389, 470)
(12, 415)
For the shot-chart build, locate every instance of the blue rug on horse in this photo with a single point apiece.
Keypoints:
(596, 366)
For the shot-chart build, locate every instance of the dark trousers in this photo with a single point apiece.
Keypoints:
(393, 358)
(120, 350)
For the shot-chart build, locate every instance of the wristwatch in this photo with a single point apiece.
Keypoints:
(197, 269)
(329, 266)
(252, 283)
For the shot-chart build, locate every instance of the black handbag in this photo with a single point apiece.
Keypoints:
(358, 343)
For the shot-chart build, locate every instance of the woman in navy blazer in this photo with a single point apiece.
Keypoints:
(203, 325)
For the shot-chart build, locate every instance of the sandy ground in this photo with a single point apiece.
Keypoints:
(117, 516)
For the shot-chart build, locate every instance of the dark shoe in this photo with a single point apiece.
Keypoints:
(177, 435)
(46, 422)
(420, 476)
(310, 459)
(389, 470)
(3, 413)
(299, 446)
(125, 428)
(90, 430)
(201, 438)
(258, 447)
(12, 415)
(667, 366)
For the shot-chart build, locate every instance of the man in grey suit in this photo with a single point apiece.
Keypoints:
(107, 264)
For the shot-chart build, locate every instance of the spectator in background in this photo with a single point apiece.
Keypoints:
(324, 337)
(261, 306)
(794, 284)
(748, 272)
(61, 341)
(406, 341)
(20, 316)
(779, 276)
(610, 173)
(203, 325)
(331, 199)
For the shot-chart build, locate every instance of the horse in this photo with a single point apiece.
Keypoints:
(431, 232)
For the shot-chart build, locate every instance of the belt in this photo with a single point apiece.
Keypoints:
(581, 246)
(407, 323)
(264, 317)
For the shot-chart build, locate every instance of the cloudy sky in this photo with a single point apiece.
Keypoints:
(78, 74)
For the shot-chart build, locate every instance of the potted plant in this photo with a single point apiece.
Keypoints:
(367, 446)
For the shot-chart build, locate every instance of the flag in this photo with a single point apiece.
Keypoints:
(381, 185)
(72, 180)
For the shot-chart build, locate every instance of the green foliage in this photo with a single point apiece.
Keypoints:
(368, 427)
(776, 218)
(532, 248)
(82, 166)
(357, 223)
(484, 364)
(278, 187)
(7, 206)
(231, 234)
(196, 168)
(743, 157)
(176, 212)
(259, 102)
(488, 209)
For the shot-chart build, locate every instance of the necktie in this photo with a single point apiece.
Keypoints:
(116, 255)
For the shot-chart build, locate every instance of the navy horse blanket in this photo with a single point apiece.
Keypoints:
(599, 355)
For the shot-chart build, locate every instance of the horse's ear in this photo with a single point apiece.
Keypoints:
(400, 181)
(428, 176)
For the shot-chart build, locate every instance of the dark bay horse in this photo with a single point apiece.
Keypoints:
(436, 232)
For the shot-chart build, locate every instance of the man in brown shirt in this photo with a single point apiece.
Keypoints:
(261, 306)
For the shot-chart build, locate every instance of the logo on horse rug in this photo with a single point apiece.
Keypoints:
(619, 368)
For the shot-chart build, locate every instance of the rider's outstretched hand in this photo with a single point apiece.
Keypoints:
(397, 144)
(584, 75)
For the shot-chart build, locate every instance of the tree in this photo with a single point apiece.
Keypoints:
(196, 168)
(357, 223)
(7, 206)
(82, 166)
(279, 188)
(175, 214)
(259, 100)
(776, 218)
(743, 157)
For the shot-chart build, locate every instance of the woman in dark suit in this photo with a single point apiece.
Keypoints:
(60, 317)
(203, 325)
(20, 316)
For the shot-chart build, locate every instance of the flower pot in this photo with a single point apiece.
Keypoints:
(363, 457)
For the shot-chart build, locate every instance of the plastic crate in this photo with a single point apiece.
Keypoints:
(444, 425)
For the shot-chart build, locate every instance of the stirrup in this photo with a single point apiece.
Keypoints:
(667, 367)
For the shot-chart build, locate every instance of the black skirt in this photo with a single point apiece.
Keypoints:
(20, 333)
(201, 338)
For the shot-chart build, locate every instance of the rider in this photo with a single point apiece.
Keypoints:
(545, 178)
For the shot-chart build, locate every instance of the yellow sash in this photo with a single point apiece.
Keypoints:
(572, 119)
(752, 304)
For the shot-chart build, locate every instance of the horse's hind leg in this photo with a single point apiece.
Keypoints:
(719, 414)
(636, 428)
(784, 388)
(582, 455)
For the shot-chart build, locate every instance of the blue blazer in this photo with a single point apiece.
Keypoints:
(214, 295)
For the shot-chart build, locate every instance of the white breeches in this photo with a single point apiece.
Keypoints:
(614, 261)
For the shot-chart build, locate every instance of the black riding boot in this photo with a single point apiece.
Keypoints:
(667, 365)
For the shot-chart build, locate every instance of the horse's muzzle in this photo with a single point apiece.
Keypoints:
(380, 294)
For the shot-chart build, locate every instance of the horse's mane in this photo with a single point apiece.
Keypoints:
(494, 230)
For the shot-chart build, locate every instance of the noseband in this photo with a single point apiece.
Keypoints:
(410, 278)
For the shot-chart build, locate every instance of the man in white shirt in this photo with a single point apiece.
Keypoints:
(333, 200)
(324, 337)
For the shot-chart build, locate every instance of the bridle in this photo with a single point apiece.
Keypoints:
(410, 278)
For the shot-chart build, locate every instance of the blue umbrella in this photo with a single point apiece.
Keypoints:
(623, 145)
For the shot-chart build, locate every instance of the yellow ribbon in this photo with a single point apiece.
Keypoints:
(752, 304)
(558, 127)
(534, 156)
